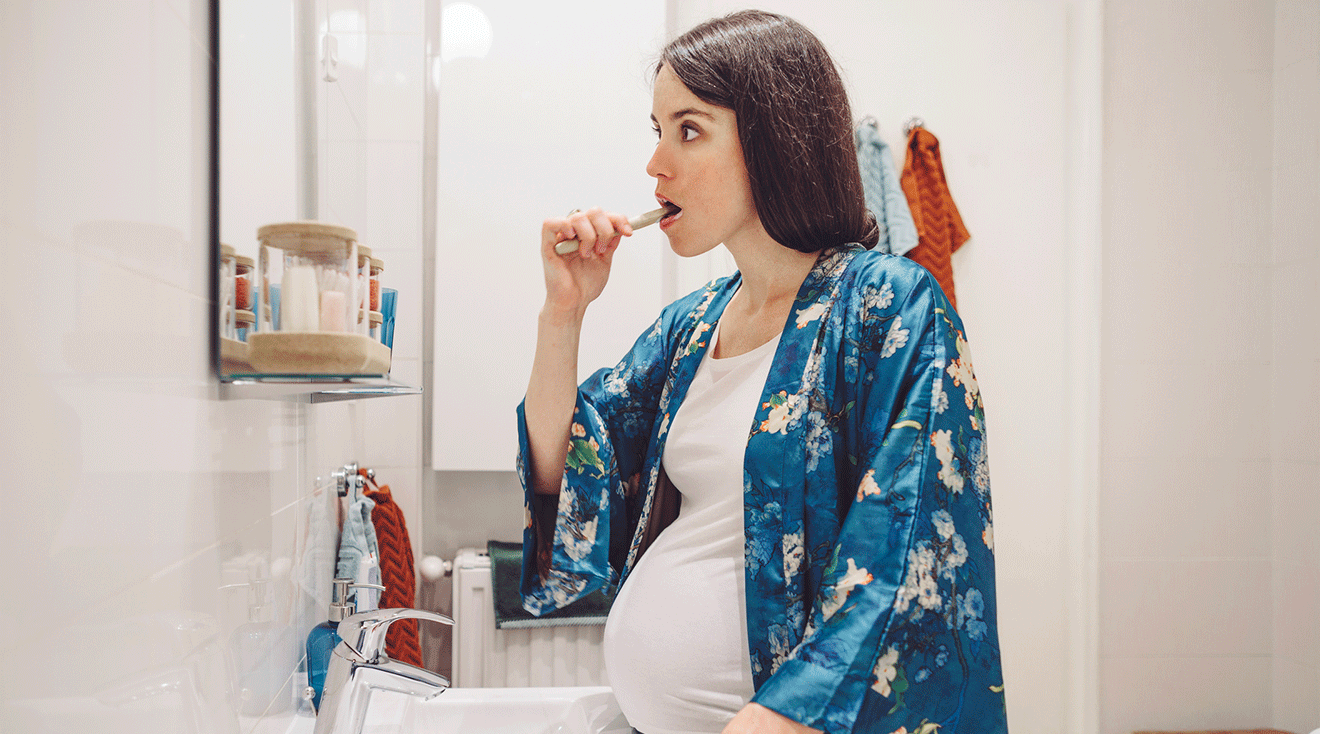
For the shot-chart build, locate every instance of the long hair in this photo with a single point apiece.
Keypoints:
(794, 123)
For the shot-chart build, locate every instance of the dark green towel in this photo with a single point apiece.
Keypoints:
(506, 574)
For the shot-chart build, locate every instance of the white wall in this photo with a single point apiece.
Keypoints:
(1295, 366)
(528, 130)
(1208, 504)
(135, 493)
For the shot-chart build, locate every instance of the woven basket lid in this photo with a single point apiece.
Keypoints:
(226, 250)
(377, 264)
(245, 260)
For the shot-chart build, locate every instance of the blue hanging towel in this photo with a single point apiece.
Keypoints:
(357, 539)
(884, 194)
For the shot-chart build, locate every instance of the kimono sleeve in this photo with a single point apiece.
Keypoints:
(587, 521)
(903, 631)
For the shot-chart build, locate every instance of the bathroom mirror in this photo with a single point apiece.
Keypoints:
(320, 119)
(258, 153)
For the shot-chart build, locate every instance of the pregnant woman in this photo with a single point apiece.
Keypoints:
(785, 479)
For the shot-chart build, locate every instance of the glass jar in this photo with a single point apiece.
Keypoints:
(319, 283)
(228, 266)
(377, 267)
(243, 282)
(376, 319)
(364, 282)
(243, 323)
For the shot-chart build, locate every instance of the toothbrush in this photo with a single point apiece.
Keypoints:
(637, 222)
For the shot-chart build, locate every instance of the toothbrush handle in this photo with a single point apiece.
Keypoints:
(637, 222)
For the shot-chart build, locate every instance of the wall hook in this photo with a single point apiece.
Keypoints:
(347, 479)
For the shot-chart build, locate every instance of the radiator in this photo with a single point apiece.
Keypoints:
(487, 657)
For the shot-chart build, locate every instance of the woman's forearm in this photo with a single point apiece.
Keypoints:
(551, 396)
(571, 282)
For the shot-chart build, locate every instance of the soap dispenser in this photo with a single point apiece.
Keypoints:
(261, 650)
(323, 638)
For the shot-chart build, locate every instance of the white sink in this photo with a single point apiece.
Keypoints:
(517, 711)
(586, 710)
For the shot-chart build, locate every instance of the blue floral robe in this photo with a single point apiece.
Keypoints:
(869, 545)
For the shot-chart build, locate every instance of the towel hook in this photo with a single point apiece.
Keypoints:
(913, 123)
(869, 120)
(347, 478)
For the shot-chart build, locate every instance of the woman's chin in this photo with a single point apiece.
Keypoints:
(687, 248)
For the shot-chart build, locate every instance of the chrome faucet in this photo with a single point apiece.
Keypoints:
(359, 665)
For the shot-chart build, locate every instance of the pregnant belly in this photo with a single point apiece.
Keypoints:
(675, 642)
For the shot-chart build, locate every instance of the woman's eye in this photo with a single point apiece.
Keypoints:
(689, 133)
(656, 130)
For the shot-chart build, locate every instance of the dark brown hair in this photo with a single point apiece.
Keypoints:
(794, 123)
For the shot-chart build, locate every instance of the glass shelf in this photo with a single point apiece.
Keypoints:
(311, 388)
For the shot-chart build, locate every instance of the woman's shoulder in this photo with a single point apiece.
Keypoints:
(871, 270)
(883, 287)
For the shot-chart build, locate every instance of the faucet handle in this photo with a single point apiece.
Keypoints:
(364, 633)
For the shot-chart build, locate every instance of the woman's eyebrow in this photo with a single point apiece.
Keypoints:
(688, 111)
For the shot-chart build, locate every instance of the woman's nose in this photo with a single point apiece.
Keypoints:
(658, 166)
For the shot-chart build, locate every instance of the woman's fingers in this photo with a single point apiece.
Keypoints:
(553, 231)
(604, 228)
(609, 227)
(619, 223)
(583, 231)
(577, 279)
(596, 231)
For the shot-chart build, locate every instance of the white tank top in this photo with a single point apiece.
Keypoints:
(675, 643)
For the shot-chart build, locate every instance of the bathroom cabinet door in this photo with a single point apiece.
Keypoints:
(544, 107)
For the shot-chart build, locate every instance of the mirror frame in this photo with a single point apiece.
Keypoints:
(213, 184)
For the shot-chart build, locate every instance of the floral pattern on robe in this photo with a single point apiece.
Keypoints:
(869, 541)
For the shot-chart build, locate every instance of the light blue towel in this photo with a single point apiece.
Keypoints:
(357, 539)
(884, 193)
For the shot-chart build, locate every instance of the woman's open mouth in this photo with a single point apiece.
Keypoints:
(671, 216)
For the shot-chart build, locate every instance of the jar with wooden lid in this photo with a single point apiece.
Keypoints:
(243, 266)
(364, 282)
(244, 321)
(321, 324)
(318, 280)
(377, 267)
(376, 319)
(228, 266)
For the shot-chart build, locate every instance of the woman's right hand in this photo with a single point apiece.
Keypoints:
(572, 281)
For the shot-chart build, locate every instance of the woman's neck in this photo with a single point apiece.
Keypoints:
(771, 273)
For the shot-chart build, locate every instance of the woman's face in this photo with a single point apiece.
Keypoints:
(698, 166)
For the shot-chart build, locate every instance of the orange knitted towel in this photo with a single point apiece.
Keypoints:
(396, 573)
(940, 229)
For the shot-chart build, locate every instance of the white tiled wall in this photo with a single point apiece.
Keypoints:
(1295, 394)
(136, 496)
(1208, 587)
